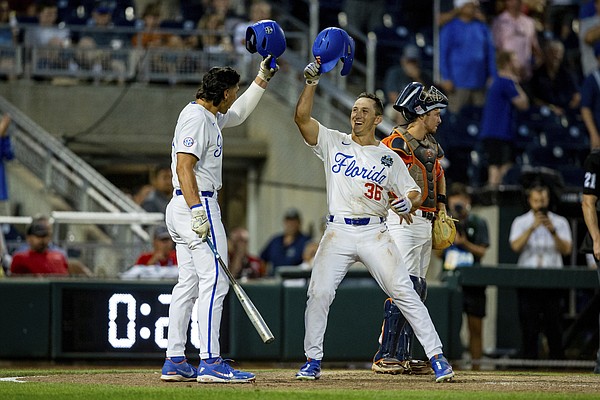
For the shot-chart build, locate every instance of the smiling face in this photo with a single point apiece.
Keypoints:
(363, 117)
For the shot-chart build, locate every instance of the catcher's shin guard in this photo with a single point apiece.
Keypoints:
(383, 361)
(405, 331)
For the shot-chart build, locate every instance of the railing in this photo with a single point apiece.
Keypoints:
(106, 257)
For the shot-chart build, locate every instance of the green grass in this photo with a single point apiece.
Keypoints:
(105, 390)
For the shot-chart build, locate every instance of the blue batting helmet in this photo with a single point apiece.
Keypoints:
(331, 45)
(415, 100)
(265, 37)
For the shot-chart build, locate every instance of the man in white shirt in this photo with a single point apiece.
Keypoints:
(541, 238)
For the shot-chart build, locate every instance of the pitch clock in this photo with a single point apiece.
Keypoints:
(122, 319)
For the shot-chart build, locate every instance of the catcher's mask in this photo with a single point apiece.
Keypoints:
(415, 100)
(331, 45)
(267, 38)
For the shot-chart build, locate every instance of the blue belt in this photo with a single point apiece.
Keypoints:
(358, 221)
(178, 192)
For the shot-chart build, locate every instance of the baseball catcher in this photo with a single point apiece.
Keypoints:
(415, 143)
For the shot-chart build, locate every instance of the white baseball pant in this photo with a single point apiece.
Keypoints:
(341, 246)
(199, 278)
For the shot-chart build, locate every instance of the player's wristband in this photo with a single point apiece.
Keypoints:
(441, 198)
(196, 206)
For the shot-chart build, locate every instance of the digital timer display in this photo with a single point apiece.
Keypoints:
(127, 321)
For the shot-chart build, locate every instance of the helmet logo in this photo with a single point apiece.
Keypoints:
(268, 30)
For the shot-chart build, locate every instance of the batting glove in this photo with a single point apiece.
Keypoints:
(312, 74)
(401, 205)
(200, 223)
(265, 72)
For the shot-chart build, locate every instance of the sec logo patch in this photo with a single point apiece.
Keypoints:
(188, 141)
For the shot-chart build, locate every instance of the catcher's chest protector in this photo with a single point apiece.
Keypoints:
(422, 170)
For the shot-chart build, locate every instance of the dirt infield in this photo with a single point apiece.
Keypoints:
(270, 379)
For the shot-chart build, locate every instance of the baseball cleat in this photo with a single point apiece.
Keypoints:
(417, 367)
(221, 372)
(310, 371)
(441, 368)
(388, 366)
(178, 371)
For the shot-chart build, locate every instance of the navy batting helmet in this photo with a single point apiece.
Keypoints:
(331, 45)
(265, 37)
(415, 100)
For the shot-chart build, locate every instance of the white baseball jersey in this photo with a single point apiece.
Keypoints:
(198, 132)
(358, 181)
(359, 178)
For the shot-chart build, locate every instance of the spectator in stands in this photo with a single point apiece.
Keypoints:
(43, 224)
(96, 46)
(398, 76)
(541, 238)
(448, 12)
(466, 57)
(589, 36)
(590, 103)
(47, 33)
(286, 249)
(514, 31)
(162, 183)
(50, 40)
(214, 38)
(364, 15)
(498, 130)
(39, 259)
(242, 264)
(552, 84)
(163, 250)
(6, 154)
(469, 247)
(228, 10)
(9, 33)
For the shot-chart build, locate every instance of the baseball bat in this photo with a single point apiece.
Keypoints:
(257, 320)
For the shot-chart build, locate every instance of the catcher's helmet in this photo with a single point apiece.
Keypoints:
(265, 37)
(415, 100)
(331, 45)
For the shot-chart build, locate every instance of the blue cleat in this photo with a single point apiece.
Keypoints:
(441, 368)
(221, 372)
(178, 372)
(310, 371)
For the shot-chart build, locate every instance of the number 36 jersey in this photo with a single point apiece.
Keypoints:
(360, 178)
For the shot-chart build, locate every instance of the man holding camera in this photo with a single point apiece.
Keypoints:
(541, 238)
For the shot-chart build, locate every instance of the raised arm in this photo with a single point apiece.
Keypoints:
(308, 126)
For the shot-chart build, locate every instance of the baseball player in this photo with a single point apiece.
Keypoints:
(418, 149)
(193, 214)
(591, 193)
(360, 173)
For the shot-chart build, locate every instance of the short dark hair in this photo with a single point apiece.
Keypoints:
(458, 189)
(215, 82)
(377, 100)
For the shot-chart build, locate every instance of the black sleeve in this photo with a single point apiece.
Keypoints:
(591, 167)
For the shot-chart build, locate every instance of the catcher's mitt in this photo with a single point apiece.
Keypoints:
(444, 231)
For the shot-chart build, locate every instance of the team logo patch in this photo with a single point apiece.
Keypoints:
(188, 142)
(268, 30)
(387, 161)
